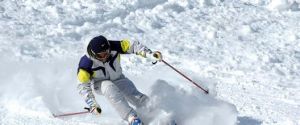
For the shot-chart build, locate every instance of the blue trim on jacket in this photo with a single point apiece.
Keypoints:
(86, 64)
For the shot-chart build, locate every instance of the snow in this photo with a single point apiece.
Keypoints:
(246, 52)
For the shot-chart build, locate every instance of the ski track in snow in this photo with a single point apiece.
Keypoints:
(247, 52)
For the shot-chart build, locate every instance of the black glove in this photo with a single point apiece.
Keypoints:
(94, 110)
(157, 55)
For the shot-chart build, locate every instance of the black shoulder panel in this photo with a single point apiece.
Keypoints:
(116, 46)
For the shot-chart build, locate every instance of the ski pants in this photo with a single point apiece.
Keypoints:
(120, 93)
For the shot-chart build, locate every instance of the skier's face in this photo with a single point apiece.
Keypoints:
(103, 56)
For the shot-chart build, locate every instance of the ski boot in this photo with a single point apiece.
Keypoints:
(135, 121)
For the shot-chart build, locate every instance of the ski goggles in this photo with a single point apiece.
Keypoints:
(102, 55)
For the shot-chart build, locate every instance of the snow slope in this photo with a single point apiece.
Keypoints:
(246, 52)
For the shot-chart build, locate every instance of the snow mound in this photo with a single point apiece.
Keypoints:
(36, 89)
(169, 103)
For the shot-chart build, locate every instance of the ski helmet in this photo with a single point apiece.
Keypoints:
(97, 45)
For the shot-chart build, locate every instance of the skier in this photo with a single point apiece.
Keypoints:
(100, 71)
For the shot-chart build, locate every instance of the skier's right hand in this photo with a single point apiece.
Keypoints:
(96, 110)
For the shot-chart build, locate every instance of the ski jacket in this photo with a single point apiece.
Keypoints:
(92, 70)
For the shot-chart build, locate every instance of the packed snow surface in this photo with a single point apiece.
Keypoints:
(246, 52)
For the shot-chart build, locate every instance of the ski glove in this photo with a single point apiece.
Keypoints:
(94, 107)
(157, 55)
(94, 110)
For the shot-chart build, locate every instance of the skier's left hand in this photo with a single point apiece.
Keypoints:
(157, 55)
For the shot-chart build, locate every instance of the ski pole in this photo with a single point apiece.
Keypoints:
(206, 91)
(69, 114)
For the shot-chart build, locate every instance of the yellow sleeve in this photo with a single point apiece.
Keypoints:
(134, 47)
(83, 76)
(125, 45)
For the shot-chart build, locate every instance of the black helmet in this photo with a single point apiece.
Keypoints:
(98, 45)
